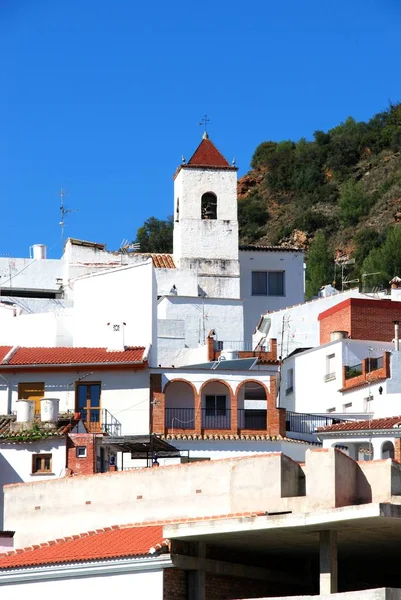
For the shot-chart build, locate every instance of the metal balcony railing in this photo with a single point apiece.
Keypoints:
(100, 420)
(216, 418)
(252, 419)
(180, 418)
(307, 423)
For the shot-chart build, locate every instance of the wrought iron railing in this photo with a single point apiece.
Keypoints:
(180, 418)
(252, 419)
(239, 346)
(216, 418)
(100, 420)
(307, 423)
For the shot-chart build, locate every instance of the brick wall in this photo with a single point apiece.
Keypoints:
(174, 584)
(367, 375)
(363, 319)
(87, 464)
(275, 425)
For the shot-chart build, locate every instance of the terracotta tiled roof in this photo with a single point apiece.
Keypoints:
(385, 423)
(107, 543)
(160, 261)
(65, 423)
(4, 350)
(249, 437)
(118, 541)
(66, 356)
(207, 155)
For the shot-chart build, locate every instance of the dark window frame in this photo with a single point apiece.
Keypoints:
(42, 458)
(262, 284)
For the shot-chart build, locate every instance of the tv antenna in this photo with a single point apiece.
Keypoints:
(63, 212)
(343, 261)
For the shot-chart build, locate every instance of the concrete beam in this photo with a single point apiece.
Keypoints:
(328, 562)
(219, 567)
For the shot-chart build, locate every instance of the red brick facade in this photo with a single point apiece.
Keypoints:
(275, 422)
(85, 465)
(363, 319)
(367, 375)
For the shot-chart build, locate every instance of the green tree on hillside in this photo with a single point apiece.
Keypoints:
(353, 203)
(319, 265)
(385, 260)
(156, 235)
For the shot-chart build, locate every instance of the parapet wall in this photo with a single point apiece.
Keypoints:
(46, 510)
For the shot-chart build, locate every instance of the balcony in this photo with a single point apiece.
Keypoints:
(353, 371)
(307, 423)
(369, 370)
(100, 420)
(217, 419)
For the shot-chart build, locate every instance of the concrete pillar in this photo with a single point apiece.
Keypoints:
(328, 562)
(197, 579)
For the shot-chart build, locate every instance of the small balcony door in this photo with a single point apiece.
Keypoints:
(88, 404)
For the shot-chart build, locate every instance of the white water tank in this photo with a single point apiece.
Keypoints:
(39, 251)
(49, 409)
(338, 335)
(228, 354)
(25, 411)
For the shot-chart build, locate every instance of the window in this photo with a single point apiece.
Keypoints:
(268, 283)
(209, 206)
(81, 451)
(42, 463)
(330, 368)
(290, 382)
(368, 402)
(331, 410)
(215, 406)
(32, 391)
(347, 407)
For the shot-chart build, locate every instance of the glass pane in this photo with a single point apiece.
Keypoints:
(276, 283)
(81, 396)
(38, 463)
(210, 405)
(94, 394)
(259, 283)
(47, 463)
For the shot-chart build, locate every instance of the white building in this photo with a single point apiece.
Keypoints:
(208, 282)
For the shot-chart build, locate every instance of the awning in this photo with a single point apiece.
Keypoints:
(141, 446)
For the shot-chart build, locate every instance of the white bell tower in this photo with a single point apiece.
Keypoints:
(206, 221)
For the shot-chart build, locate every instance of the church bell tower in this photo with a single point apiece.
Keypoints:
(206, 221)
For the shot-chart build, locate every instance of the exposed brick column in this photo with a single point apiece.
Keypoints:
(397, 450)
(158, 413)
(273, 349)
(210, 347)
(234, 412)
(198, 414)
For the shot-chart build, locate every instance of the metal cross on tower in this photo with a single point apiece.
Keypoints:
(204, 122)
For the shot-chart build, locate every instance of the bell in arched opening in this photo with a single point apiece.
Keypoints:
(209, 206)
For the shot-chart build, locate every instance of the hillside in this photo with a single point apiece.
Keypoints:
(345, 185)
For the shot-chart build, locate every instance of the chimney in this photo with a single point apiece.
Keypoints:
(116, 336)
(396, 336)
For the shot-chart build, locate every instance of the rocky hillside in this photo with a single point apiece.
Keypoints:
(345, 185)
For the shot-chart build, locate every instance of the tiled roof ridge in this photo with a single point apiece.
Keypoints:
(365, 424)
(207, 155)
(137, 525)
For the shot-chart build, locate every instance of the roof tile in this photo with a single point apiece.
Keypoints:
(207, 155)
(160, 261)
(384, 423)
(65, 356)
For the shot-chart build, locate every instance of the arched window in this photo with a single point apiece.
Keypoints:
(388, 450)
(209, 206)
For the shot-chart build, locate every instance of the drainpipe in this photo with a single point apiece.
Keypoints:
(396, 336)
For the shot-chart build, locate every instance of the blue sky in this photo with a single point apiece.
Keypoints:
(103, 97)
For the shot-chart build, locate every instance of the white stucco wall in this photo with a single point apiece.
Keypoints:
(123, 295)
(16, 463)
(298, 326)
(197, 238)
(200, 315)
(312, 394)
(125, 394)
(254, 306)
(30, 273)
(148, 584)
